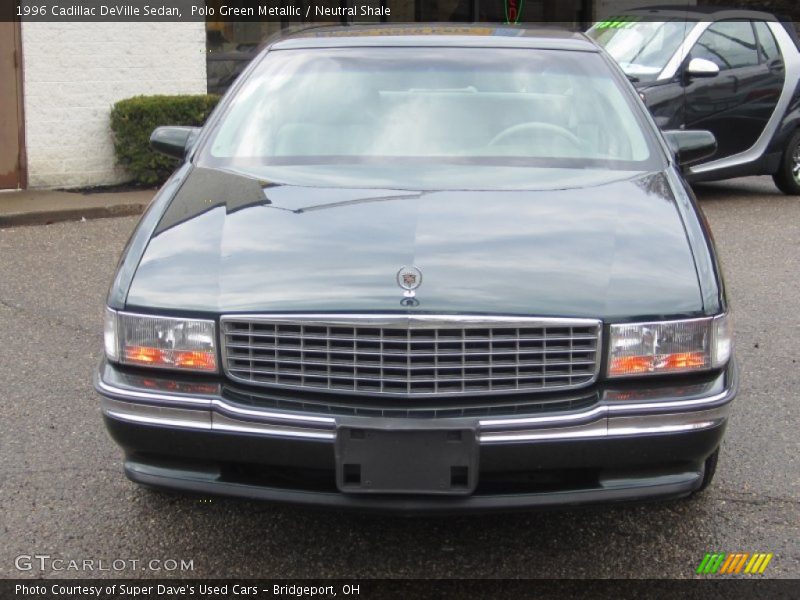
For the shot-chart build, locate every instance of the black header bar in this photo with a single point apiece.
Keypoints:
(296, 11)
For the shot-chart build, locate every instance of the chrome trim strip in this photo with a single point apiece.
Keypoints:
(600, 421)
(667, 423)
(791, 62)
(157, 415)
(133, 395)
(664, 428)
(414, 321)
(155, 420)
(608, 409)
(603, 428)
(266, 415)
(222, 423)
(189, 418)
(617, 418)
(208, 403)
(613, 427)
(598, 429)
(588, 430)
(709, 401)
(556, 420)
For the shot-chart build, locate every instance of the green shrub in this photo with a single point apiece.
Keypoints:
(134, 119)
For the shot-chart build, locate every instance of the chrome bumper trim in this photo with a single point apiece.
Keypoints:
(613, 427)
(607, 420)
(175, 400)
(111, 391)
(147, 414)
(191, 418)
(610, 410)
(223, 423)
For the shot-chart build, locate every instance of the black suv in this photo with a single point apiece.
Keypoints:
(732, 72)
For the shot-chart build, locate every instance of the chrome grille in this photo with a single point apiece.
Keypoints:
(411, 355)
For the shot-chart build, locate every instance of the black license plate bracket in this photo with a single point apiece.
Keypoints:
(398, 461)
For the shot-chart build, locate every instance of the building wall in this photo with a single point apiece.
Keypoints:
(75, 72)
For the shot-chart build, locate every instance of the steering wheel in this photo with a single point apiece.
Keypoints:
(532, 128)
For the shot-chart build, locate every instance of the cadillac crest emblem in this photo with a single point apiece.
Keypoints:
(409, 278)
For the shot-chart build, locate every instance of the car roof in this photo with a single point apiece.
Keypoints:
(446, 34)
(711, 13)
(702, 13)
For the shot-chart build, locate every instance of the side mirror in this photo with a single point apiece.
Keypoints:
(173, 141)
(691, 146)
(701, 68)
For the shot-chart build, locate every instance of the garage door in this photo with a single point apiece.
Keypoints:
(11, 129)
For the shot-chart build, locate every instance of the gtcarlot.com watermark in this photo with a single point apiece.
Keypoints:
(48, 563)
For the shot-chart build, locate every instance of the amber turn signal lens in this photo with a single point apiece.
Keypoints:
(144, 355)
(155, 357)
(634, 365)
(631, 365)
(203, 361)
(685, 360)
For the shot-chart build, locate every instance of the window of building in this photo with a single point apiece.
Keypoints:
(232, 44)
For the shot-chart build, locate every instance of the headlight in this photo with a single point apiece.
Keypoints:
(669, 346)
(165, 342)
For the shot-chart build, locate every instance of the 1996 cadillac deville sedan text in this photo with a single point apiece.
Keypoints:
(423, 271)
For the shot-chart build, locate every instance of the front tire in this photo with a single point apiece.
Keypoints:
(788, 176)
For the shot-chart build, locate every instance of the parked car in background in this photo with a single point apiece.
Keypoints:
(443, 270)
(732, 72)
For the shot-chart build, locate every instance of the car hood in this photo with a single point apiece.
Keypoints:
(230, 243)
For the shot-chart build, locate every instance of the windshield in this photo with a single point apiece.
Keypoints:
(642, 48)
(440, 115)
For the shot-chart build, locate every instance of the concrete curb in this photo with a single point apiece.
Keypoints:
(70, 214)
(42, 207)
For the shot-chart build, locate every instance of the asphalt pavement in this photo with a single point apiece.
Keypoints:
(63, 494)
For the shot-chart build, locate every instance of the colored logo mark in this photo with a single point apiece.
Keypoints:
(618, 23)
(721, 563)
(513, 10)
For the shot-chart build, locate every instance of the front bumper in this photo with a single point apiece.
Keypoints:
(629, 443)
